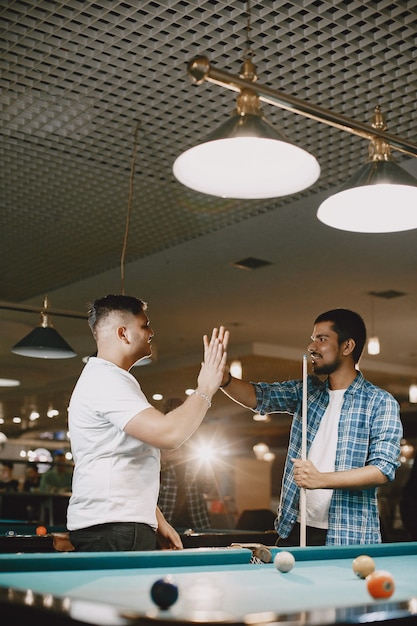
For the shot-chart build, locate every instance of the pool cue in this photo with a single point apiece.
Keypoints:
(303, 454)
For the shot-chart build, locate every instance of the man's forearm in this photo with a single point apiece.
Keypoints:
(240, 391)
(360, 478)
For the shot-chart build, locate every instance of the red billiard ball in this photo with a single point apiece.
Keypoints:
(380, 584)
(363, 565)
(41, 531)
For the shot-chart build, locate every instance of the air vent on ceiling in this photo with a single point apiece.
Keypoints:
(388, 294)
(250, 263)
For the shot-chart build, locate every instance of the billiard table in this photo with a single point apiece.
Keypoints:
(51, 508)
(19, 536)
(216, 586)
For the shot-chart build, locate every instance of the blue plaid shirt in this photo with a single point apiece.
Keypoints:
(370, 432)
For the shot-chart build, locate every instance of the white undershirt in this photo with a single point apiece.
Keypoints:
(323, 454)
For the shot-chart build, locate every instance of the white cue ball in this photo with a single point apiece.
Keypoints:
(284, 561)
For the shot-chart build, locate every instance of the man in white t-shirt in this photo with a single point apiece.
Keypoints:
(116, 434)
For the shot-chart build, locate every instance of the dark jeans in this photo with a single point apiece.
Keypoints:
(117, 537)
(314, 537)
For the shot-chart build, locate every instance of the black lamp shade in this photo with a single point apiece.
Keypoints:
(44, 343)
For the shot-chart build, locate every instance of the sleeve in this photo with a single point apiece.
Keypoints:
(385, 437)
(121, 398)
(278, 397)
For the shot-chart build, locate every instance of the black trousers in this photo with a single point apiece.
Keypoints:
(115, 537)
(314, 537)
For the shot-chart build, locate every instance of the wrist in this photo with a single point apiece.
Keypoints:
(228, 381)
(203, 395)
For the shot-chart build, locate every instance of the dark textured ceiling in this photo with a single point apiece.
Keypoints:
(77, 78)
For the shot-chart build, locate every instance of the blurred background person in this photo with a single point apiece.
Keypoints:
(7, 481)
(181, 495)
(408, 503)
(58, 479)
(32, 478)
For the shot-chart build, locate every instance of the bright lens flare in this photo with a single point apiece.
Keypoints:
(205, 452)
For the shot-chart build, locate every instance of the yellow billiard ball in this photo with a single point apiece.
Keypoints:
(363, 565)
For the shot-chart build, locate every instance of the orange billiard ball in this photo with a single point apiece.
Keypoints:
(41, 530)
(380, 584)
(363, 565)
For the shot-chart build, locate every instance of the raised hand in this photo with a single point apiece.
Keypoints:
(214, 364)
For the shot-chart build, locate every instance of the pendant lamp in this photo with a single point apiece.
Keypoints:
(247, 158)
(44, 342)
(380, 198)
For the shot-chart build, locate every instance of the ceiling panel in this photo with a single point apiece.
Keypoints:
(79, 79)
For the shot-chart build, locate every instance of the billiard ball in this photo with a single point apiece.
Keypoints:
(380, 584)
(41, 531)
(164, 593)
(284, 561)
(363, 565)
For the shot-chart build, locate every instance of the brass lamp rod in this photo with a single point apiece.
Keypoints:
(200, 70)
(23, 308)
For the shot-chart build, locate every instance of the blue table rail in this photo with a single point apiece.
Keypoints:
(216, 586)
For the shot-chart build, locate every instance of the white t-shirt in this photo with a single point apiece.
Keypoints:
(323, 454)
(116, 477)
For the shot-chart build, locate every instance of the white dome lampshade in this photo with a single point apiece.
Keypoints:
(380, 198)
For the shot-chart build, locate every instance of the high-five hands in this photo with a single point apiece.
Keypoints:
(214, 364)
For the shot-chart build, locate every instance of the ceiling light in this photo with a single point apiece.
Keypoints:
(381, 174)
(381, 197)
(9, 382)
(236, 369)
(44, 342)
(3, 441)
(412, 393)
(373, 346)
(258, 417)
(373, 341)
(260, 449)
(246, 157)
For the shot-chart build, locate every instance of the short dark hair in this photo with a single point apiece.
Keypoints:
(100, 308)
(8, 464)
(347, 325)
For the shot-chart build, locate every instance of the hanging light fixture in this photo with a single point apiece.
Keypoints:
(381, 174)
(412, 393)
(44, 342)
(374, 347)
(247, 157)
(381, 197)
(236, 368)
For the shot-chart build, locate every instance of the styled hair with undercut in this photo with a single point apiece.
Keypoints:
(102, 307)
(347, 325)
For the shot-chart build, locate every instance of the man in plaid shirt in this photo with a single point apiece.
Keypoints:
(353, 437)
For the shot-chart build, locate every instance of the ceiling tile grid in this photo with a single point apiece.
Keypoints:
(77, 77)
